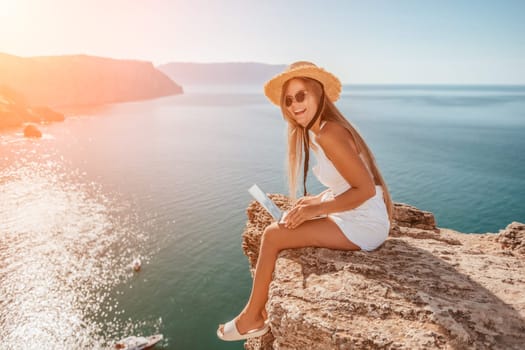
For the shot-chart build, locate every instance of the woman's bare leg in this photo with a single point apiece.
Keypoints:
(314, 233)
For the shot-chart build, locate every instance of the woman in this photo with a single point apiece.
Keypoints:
(357, 202)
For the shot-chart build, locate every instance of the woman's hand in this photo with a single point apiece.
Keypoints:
(300, 213)
(307, 200)
(310, 199)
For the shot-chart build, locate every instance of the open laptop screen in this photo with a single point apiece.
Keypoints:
(266, 202)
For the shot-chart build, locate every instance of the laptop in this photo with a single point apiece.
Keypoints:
(270, 206)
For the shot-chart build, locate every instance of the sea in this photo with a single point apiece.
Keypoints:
(165, 181)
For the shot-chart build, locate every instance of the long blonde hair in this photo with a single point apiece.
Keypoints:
(296, 149)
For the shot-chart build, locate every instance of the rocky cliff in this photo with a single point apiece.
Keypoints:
(83, 80)
(424, 288)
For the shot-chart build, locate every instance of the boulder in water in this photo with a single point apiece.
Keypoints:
(32, 131)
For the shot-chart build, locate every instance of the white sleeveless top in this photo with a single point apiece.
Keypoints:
(367, 225)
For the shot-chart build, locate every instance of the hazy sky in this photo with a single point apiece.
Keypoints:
(419, 41)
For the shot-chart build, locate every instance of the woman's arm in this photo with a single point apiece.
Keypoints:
(320, 195)
(311, 199)
(339, 148)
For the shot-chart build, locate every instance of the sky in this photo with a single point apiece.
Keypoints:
(374, 41)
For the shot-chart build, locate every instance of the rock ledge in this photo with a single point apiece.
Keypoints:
(426, 287)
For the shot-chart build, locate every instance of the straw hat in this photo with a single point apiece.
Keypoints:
(332, 85)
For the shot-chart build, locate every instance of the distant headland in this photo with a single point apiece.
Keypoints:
(73, 80)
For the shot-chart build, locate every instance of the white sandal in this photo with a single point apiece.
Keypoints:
(230, 332)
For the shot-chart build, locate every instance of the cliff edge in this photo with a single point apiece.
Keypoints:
(424, 288)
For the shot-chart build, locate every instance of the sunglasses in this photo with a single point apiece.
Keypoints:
(299, 97)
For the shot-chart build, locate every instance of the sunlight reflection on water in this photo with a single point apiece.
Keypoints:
(64, 246)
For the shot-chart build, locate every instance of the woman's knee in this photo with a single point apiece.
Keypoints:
(271, 235)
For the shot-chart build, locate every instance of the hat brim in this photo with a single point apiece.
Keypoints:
(332, 85)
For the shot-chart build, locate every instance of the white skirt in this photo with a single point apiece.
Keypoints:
(366, 226)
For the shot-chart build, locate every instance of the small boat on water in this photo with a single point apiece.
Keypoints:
(138, 343)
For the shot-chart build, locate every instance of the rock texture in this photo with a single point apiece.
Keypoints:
(424, 288)
(68, 80)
